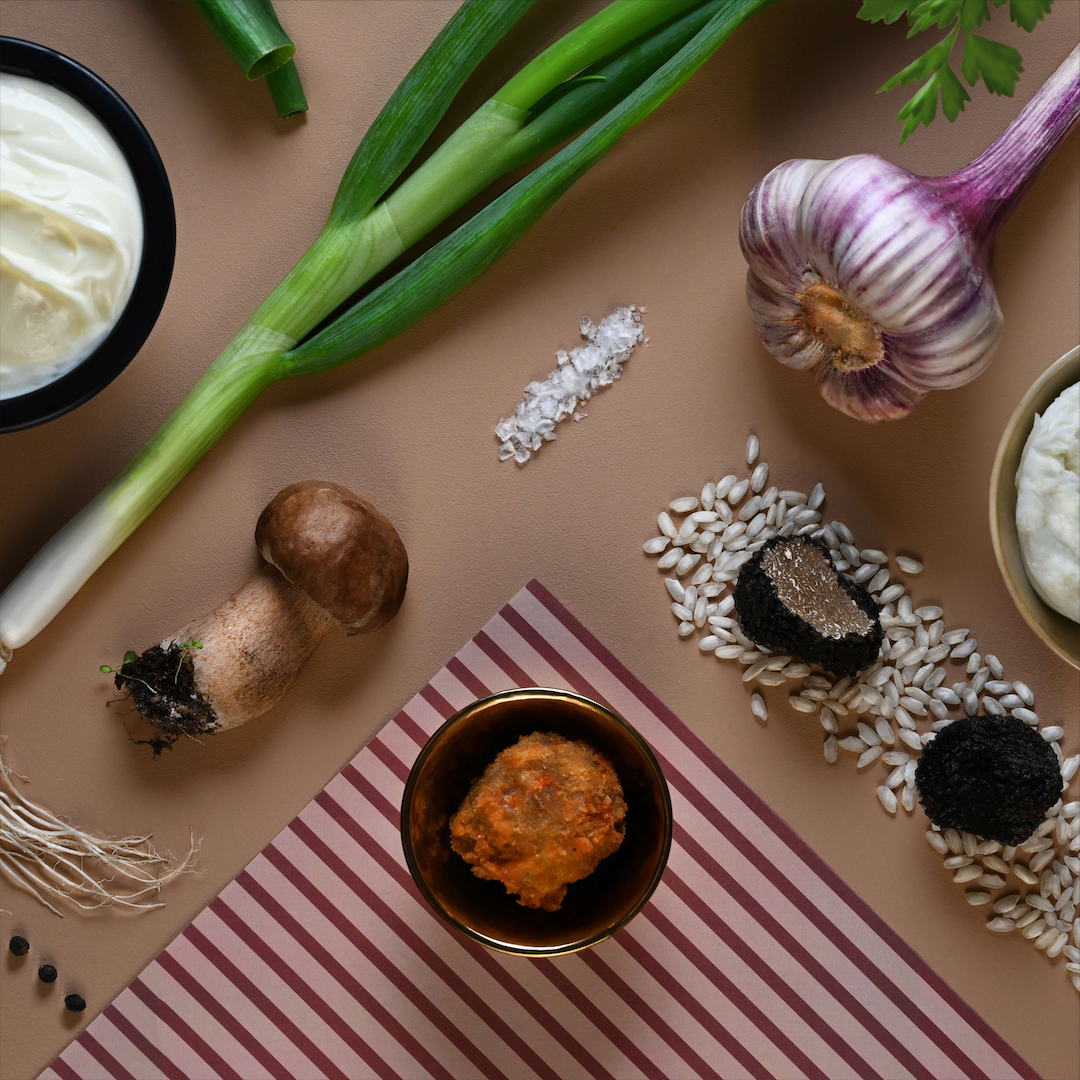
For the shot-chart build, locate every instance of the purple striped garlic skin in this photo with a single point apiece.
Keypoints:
(876, 279)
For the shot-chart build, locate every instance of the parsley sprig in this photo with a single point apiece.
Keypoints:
(999, 66)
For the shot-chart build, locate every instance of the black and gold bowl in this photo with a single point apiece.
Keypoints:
(595, 907)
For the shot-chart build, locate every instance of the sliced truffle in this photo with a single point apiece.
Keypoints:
(989, 775)
(789, 598)
(542, 815)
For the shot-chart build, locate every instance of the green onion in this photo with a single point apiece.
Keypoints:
(250, 32)
(253, 37)
(464, 254)
(286, 91)
(365, 232)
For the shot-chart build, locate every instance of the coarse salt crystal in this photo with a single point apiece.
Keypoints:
(581, 374)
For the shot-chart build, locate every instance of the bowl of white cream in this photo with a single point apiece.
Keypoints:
(1035, 507)
(87, 234)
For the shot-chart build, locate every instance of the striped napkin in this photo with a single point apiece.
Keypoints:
(752, 959)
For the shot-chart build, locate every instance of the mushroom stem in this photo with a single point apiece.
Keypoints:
(253, 646)
(231, 665)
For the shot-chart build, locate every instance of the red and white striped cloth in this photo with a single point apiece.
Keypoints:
(752, 959)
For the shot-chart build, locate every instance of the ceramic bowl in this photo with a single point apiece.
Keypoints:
(93, 374)
(595, 907)
(1059, 632)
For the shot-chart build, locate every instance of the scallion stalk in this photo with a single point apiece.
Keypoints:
(255, 39)
(250, 32)
(363, 235)
(459, 258)
(287, 91)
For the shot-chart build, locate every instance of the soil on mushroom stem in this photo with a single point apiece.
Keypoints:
(161, 685)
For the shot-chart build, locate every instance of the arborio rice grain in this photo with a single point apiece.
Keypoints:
(1034, 887)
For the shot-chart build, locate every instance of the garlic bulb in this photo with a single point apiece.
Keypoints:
(878, 280)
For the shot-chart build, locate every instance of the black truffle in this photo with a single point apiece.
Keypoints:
(989, 775)
(789, 598)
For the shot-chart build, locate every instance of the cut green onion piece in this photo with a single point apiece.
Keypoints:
(285, 89)
(250, 32)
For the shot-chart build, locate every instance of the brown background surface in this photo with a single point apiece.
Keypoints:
(410, 428)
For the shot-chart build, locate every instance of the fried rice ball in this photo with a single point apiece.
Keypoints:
(542, 815)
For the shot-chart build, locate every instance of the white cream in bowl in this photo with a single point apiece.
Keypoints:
(1048, 504)
(71, 233)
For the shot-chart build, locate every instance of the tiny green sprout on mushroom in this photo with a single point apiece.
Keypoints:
(332, 560)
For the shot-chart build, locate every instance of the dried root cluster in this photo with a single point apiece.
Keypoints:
(887, 713)
(55, 861)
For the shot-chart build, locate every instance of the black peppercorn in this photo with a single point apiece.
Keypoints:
(74, 1003)
(47, 973)
(19, 945)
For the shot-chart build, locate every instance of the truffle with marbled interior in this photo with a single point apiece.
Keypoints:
(789, 598)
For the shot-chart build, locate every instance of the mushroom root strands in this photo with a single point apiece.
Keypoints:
(54, 861)
(877, 280)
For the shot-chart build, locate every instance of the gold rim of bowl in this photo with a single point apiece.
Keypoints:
(481, 909)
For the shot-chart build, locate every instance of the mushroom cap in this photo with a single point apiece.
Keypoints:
(339, 549)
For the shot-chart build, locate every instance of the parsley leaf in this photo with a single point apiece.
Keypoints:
(953, 94)
(922, 108)
(999, 66)
(886, 11)
(928, 65)
(1027, 13)
(939, 13)
(975, 13)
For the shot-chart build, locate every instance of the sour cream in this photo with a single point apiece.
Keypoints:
(1048, 504)
(71, 233)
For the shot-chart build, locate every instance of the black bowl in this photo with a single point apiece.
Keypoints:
(159, 236)
(595, 907)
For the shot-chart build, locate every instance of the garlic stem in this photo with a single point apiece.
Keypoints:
(878, 280)
(990, 188)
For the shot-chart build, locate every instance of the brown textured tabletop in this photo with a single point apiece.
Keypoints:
(410, 428)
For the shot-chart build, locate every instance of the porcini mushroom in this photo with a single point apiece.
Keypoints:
(333, 560)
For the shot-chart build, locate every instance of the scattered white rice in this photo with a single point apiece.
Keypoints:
(580, 374)
(906, 696)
